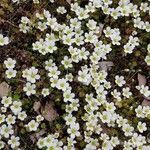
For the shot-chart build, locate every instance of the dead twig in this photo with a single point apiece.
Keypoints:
(6, 21)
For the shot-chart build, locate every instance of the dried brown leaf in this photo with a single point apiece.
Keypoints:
(146, 102)
(101, 28)
(141, 79)
(4, 89)
(35, 136)
(69, 1)
(48, 112)
(36, 106)
(105, 65)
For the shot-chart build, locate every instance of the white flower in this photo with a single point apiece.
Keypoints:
(121, 122)
(116, 94)
(54, 82)
(45, 92)
(10, 119)
(2, 118)
(2, 144)
(104, 136)
(22, 115)
(128, 130)
(126, 92)
(138, 140)
(141, 127)
(62, 84)
(36, 1)
(73, 130)
(91, 24)
(79, 40)
(90, 37)
(70, 120)
(3, 109)
(69, 77)
(144, 7)
(144, 90)
(75, 23)
(52, 22)
(147, 60)
(83, 54)
(82, 13)
(14, 1)
(24, 28)
(119, 80)
(31, 74)
(67, 62)
(114, 34)
(148, 48)
(54, 72)
(91, 7)
(6, 101)
(32, 125)
(106, 145)
(106, 10)
(115, 141)
(146, 110)
(25, 20)
(52, 1)
(10, 73)
(115, 13)
(139, 112)
(127, 146)
(49, 64)
(68, 96)
(92, 145)
(110, 107)
(14, 142)
(39, 118)
(84, 76)
(42, 26)
(16, 107)
(41, 143)
(102, 76)
(6, 131)
(29, 88)
(107, 85)
(61, 10)
(3, 40)
(105, 116)
(10, 63)
(128, 48)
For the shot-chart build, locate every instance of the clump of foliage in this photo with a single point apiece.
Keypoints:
(78, 72)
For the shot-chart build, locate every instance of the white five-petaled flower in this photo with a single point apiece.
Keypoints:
(119, 80)
(14, 142)
(141, 127)
(10, 63)
(6, 101)
(10, 73)
(3, 40)
(32, 125)
(61, 10)
(29, 88)
(126, 92)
